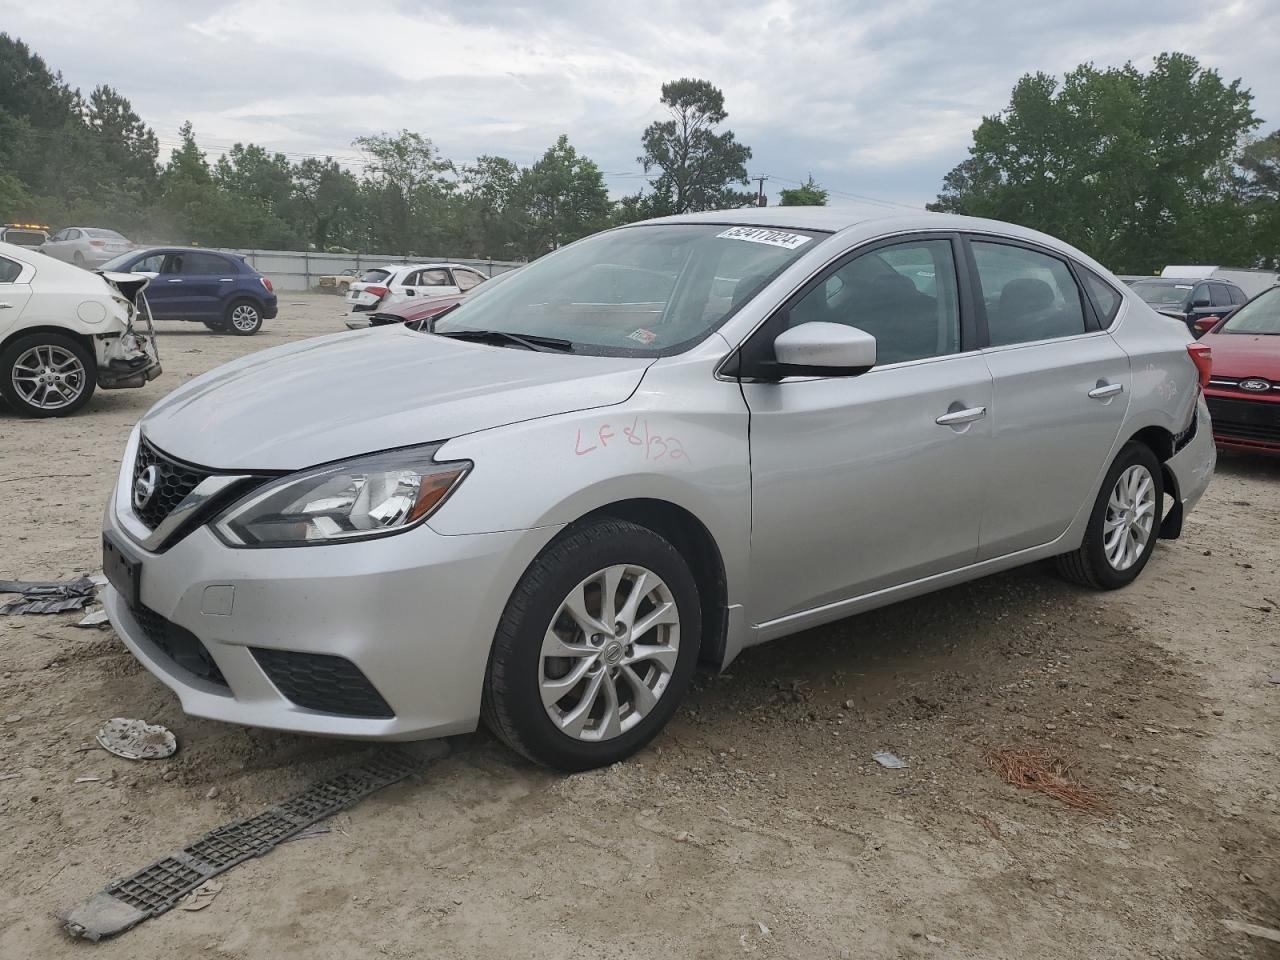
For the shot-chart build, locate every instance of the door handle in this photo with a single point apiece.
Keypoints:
(5, 305)
(227, 280)
(957, 417)
(175, 280)
(1105, 390)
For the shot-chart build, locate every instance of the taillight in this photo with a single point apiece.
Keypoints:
(267, 283)
(97, 243)
(376, 291)
(1202, 357)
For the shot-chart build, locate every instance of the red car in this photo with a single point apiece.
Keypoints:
(411, 311)
(1244, 387)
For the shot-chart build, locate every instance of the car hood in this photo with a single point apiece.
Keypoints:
(353, 393)
(1245, 355)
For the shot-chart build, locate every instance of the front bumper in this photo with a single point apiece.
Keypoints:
(414, 613)
(1243, 421)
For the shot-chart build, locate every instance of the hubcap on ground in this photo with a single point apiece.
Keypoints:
(609, 652)
(1131, 517)
(244, 317)
(49, 377)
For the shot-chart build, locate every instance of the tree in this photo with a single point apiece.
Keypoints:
(698, 166)
(1125, 165)
(562, 198)
(326, 205)
(808, 194)
(404, 188)
(490, 218)
(1258, 187)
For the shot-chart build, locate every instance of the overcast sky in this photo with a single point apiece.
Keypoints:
(876, 98)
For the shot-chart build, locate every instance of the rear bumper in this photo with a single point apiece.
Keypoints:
(270, 308)
(1192, 467)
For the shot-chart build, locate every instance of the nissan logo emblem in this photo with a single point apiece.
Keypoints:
(144, 487)
(1254, 384)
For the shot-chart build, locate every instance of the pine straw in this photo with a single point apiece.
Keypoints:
(1046, 772)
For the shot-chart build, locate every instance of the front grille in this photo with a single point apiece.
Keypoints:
(322, 682)
(180, 645)
(1245, 419)
(174, 481)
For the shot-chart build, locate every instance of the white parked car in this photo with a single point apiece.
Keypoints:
(386, 286)
(87, 247)
(65, 331)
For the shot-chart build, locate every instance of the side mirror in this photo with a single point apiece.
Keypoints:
(1199, 302)
(825, 349)
(1204, 324)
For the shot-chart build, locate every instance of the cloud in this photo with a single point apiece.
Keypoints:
(872, 98)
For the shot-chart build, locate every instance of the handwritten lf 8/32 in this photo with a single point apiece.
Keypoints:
(637, 437)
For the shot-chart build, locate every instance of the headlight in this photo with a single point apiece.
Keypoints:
(353, 500)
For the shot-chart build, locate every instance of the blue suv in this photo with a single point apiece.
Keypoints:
(217, 289)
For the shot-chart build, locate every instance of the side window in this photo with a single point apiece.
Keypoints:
(1237, 295)
(1200, 295)
(1028, 295)
(1220, 296)
(175, 263)
(435, 278)
(73, 234)
(207, 264)
(1106, 300)
(9, 270)
(465, 279)
(411, 279)
(151, 264)
(903, 295)
(60, 235)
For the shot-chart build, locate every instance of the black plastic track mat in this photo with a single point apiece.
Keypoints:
(159, 885)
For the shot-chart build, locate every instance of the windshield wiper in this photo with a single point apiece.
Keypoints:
(530, 341)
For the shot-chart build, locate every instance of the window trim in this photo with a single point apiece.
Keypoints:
(732, 365)
(1088, 315)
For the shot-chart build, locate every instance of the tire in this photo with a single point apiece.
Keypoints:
(78, 259)
(1114, 551)
(243, 318)
(217, 326)
(29, 361)
(575, 565)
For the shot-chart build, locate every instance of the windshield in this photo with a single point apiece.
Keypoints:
(637, 291)
(1168, 293)
(1261, 315)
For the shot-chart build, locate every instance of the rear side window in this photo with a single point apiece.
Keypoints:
(1029, 295)
(465, 279)
(1220, 296)
(208, 263)
(1106, 299)
(9, 270)
(375, 276)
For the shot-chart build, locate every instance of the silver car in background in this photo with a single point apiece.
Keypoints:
(651, 449)
(88, 247)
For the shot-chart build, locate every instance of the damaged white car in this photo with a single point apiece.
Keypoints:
(65, 331)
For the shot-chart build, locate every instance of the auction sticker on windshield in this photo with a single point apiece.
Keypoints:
(774, 238)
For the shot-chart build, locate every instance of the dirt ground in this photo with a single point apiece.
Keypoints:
(757, 824)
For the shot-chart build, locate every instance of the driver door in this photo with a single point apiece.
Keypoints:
(866, 482)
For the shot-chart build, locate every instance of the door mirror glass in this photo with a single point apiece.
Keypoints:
(1199, 302)
(821, 348)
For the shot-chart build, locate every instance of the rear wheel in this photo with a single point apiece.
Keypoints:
(244, 318)
(1124, 525)
(78, 259)
(47, 375)
(595, 649)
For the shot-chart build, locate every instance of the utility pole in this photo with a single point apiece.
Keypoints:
(760, 199)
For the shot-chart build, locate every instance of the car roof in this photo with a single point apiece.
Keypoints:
(163, 249)
(432, 265)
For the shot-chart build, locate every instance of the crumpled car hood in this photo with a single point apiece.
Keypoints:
(340, 396)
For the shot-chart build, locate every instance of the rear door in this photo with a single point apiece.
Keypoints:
(209, 282)
(1061, 389)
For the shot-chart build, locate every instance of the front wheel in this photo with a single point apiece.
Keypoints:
(47, 375)
(595, 649)
(244, 318)
(1124, 525)
(217, 326)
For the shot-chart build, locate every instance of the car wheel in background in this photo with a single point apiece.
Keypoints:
(217, 326)
(78, 259)
(47, 375)
(1124, 525)
(595, 648)
(244, 318)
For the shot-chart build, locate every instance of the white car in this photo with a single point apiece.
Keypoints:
(395, 283)
(88, 247)
(65, 331)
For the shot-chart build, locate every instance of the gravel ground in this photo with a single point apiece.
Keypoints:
(757, 824)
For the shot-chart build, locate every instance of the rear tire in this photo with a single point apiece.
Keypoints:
(244, 318)
(47, 375)
(1124, 526)
(78, 259)
(629, 683)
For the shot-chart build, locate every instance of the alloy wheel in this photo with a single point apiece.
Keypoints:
(1130, 519)
(244, 318)
(609, 652)
(49, 377)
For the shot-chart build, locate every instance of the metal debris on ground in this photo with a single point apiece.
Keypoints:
(136, 739)
(53, 596)
(158, 887)
(97, 618)
(890, 760)
(1046, 772)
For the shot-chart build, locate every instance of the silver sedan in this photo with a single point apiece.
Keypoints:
(649, 450)
(88, 247)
